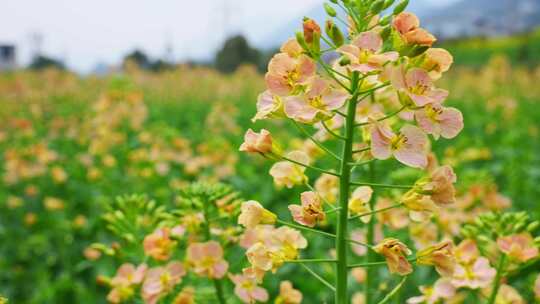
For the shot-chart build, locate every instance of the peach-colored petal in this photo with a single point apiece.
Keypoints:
(412, 151)
(370, 41)
(381, 141)
(406, 22)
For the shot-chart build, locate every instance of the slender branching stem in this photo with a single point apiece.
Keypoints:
(375, 211)
(306, 228)
(498, 277)
(312, 261)
(332, 132)
(217, 283)
(383, 118)
(361, 150)
(370, 238)
(367, 264)
(342, 241)
(375, 185)
(315, 141)
(318, 277)
(394, 291)
(310, 167)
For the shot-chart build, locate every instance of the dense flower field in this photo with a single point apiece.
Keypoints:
(136, 187)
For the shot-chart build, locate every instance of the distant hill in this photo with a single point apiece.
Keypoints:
(490, 18)
(446, 19)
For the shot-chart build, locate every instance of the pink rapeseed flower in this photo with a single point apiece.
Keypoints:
(257, 142)
(123, 282)
(160, 281)
(408, 146)
(408, 27)
(207, 260)
(252, 213)
(395, 253)
(289, 174)
(478, 274)
(311, 210)
(519, 247)
(316, 104)
(247, 288)
(441, 290)
(439, 121)
(365, 54)
(416, 84)
(158, 244)
(288, 70)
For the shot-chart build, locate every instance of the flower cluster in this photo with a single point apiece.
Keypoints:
(375, 93)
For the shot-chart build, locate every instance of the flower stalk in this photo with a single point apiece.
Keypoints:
(344, 191)
(497, 281)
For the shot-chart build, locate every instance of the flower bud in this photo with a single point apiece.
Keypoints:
(377, 6)
(344, 61)
(302, 41)
(401, 7)
(533, 226)
(330, 10)
(334, 1)
(385, 20)
(483, 238)
(312, 35)
(386, 33)
(334, 33)
(418, 50)
(388, 3)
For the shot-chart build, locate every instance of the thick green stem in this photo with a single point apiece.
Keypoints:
(217, 283)
(370, 238)
(497, 282)
(342, 243)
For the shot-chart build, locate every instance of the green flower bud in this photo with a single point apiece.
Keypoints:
(119, 214)
(300, 39)
(385, 20)
(401, 7)
(533, 226)
(385, 33)
(330, 10)
(334, 33)
(344, 61)
(483, 238)
(388, 3)
(418, 50)
(519, 226)
(377, 6)
(334, 1)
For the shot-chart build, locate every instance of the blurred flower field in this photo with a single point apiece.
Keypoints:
(70, 145)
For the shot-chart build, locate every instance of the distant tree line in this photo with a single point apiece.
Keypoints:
(236, 51)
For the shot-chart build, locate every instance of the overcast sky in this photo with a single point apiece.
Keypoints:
(85, 32)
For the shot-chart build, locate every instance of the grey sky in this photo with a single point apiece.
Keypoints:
(84, 32)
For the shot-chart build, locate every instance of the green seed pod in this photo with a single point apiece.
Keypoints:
(377, 6)
(533, 226)
(401, 7)
(388, 3)
(330, 10)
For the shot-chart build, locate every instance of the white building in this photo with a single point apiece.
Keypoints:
(8, 57)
